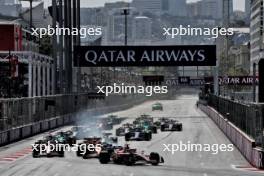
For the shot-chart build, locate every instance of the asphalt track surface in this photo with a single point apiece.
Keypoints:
(16, 158)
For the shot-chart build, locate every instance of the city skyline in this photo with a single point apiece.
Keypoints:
(238, 4)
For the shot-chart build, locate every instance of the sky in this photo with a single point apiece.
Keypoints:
(238, 4)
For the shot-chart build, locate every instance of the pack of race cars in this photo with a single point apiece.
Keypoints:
(144, 126)
(105, 144)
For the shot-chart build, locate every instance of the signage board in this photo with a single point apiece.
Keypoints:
(125, 56)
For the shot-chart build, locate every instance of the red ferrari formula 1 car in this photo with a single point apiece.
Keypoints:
(129, 157)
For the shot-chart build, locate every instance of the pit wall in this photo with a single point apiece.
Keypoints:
(243, 142)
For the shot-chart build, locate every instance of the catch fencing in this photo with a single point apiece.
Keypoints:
(247, 117)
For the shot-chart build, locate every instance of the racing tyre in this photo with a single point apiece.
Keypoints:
(162, 128)
(180, 128)
(35, 154)
(154, 130)
(85, 156)
(127, 137)
(78, 152)
(104, 157)
(154, 158)
(129, 160)
(61, 153)
(149, 136)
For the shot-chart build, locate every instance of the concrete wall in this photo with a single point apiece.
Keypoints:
(242, 141)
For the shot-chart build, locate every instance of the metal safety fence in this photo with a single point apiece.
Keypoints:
(247, 117)
(17, 112)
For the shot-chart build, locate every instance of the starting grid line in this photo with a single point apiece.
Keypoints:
(15, 156)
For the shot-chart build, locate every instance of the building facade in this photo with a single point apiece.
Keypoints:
(10, 9)
(242, 58)
(180, 5)
(154, 6)
(32, 75)
(142, 30)
(256, 32)
(116, 26)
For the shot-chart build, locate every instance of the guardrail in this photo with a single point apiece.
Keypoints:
(22, 111)
(244, 143)
(24, 117)
(247, 117)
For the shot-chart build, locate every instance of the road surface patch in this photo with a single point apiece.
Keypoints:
(15, 156)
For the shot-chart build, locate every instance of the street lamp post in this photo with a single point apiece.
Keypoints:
(30, 11)
(125, 13)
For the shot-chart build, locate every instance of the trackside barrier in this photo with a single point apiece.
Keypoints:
(243, 142)
(26, 131)
(66, 119)
(4, 137)
(56, 116)
(22, 132)
(59, 121)
(52, 123)
(15, 134)
(36, 128)
(44, 125)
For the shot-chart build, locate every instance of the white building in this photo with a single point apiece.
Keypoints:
(247, 11)
(154, 6)
(142, 30)
(227, 5)
(9, 2)
(116, 26)
(256, 32)
(39, 76)
(10, 8)
(247, 6)
(207, 8)
(177, 8)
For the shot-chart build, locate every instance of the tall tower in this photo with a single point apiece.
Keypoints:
(154, 6)
(247, 6)
(227, 11)
(178, 8)
(247, 11)
(256, 32)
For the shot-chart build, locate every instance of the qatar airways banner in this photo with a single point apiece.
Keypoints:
(238, 80)
(125, 56)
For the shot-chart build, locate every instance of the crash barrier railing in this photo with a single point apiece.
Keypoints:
(22, 111)
(247, 117)
(25, 117)
(244, 143)
(59, 115)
